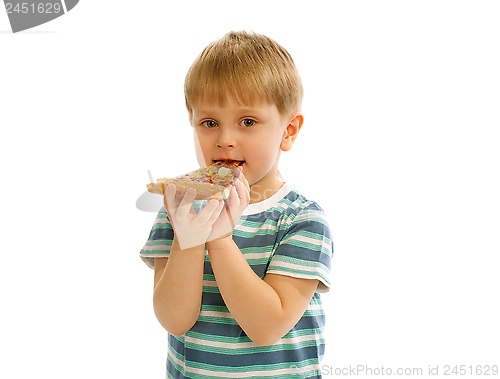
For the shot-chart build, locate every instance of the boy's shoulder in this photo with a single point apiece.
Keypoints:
(301, 201)
(294, 202)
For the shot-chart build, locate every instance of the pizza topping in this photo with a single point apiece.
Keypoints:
(229, 162)
(216, 178)
(223, 171)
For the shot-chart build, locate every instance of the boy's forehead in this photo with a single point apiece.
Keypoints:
(206, 104)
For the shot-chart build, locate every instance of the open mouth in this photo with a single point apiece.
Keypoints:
(229, 162)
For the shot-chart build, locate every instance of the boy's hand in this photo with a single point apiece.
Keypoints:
(239, 198)
(190, 229)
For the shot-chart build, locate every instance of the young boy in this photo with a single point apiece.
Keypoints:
(242, 303)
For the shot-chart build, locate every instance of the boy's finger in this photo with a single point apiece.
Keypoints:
(243, 191)
(216, 212)
(169, 198)
(208, 211)
(234, 198)
(186, 202)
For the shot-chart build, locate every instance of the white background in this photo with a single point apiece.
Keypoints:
(400, 146)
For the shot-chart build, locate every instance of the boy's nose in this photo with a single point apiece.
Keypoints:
(226, 140)
(221, 145)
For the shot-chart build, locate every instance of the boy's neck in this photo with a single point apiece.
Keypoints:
(265, 188)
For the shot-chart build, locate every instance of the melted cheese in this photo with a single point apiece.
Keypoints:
(223, 171)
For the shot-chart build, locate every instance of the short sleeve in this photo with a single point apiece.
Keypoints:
(306, 249)
(160, 239)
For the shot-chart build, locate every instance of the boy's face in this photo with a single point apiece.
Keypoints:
(255, 135)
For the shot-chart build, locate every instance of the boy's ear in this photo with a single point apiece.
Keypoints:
(291, 131)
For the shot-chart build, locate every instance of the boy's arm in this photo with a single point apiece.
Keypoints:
(178, 288)
(179, 279)
(265, 309)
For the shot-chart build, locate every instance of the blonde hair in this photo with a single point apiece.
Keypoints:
(249, 66)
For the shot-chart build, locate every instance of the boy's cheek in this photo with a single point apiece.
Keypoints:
(202, 149)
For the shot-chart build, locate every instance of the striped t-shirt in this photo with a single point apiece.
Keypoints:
(285, 234)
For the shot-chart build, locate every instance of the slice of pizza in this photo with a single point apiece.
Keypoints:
(211, 182)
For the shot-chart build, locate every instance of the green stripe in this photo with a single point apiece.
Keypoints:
(162, 226)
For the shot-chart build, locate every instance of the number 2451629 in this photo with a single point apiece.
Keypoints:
(23, 8)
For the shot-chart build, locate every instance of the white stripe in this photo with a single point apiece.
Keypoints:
(264, 254)
(161, 221)
(311, 241)
(209, 283)
(252, 230)
(298, 267)
(315, 307)
(216, 314)
(311, 215)
(308, 240)
(222, 345)
(157, 247)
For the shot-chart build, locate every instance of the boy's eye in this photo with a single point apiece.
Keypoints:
(209, 123)
(247, 122)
